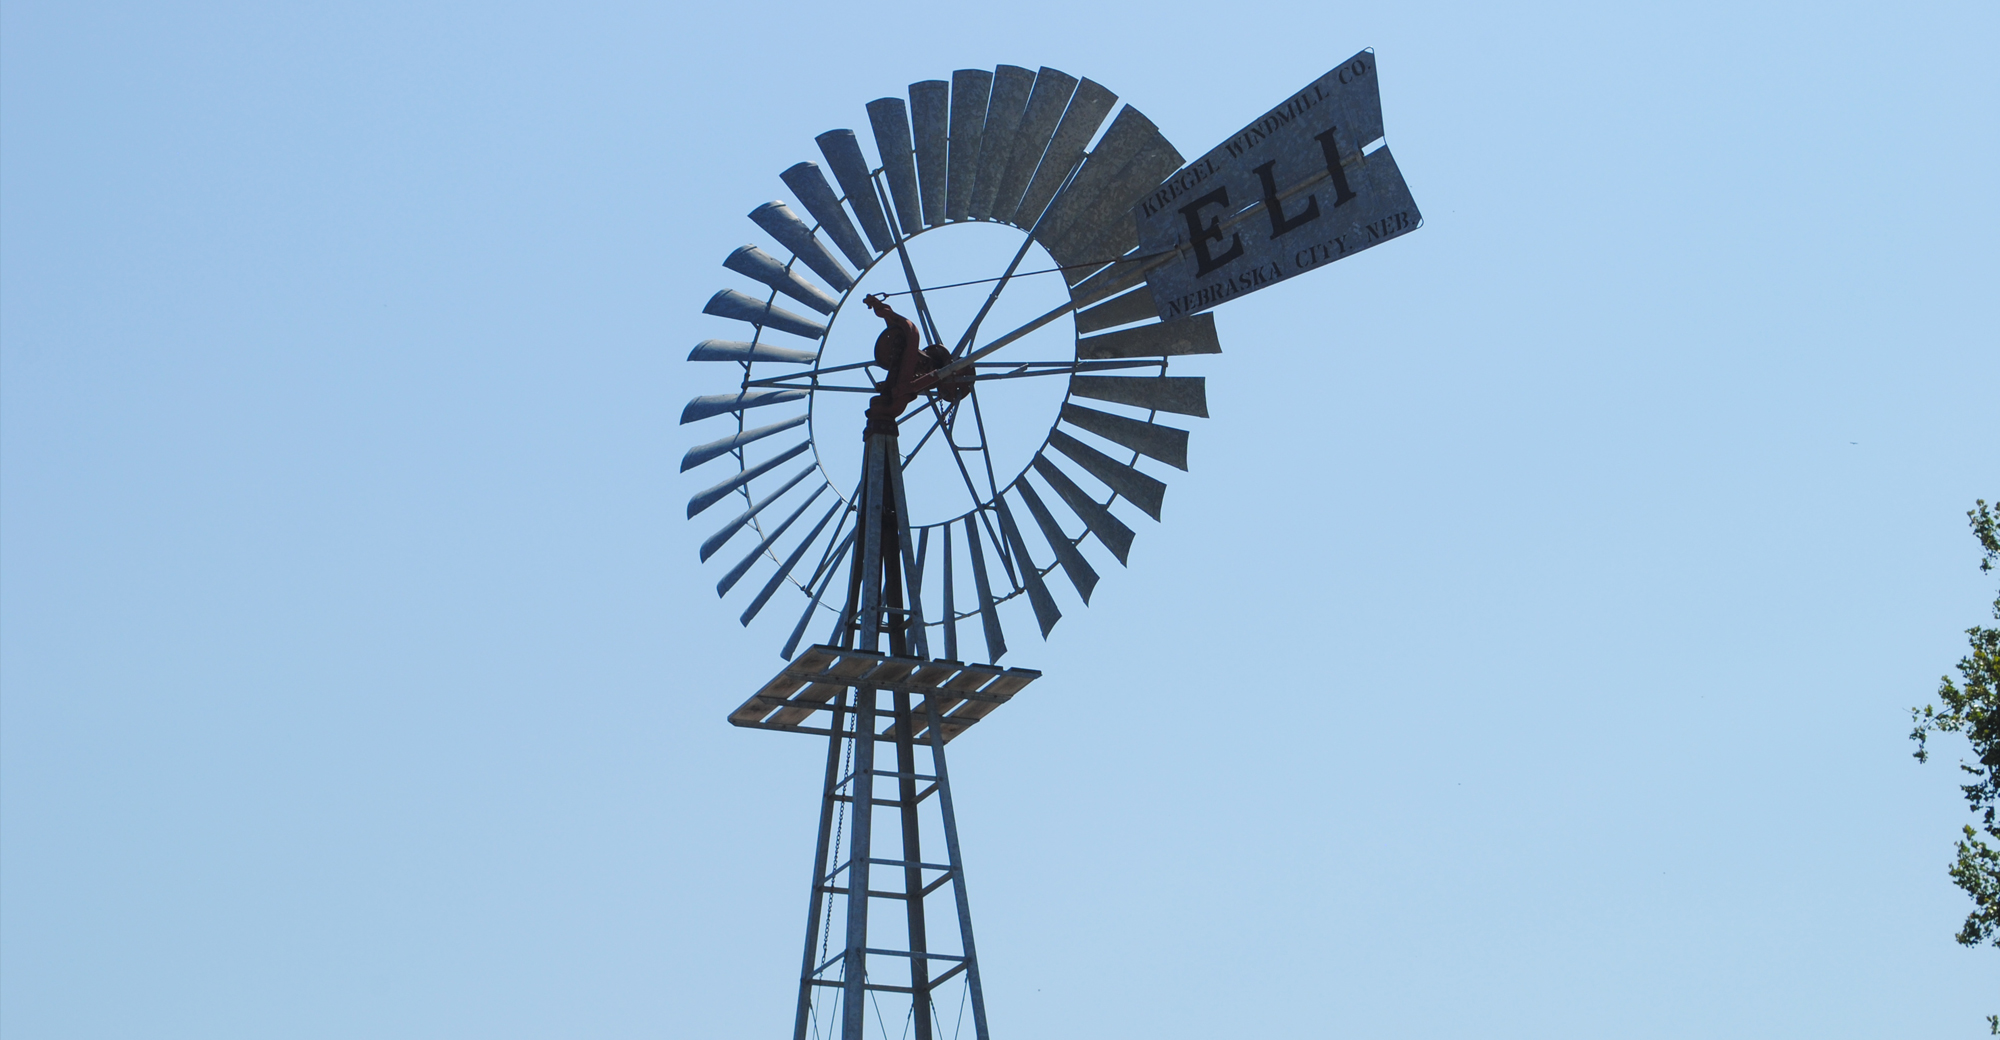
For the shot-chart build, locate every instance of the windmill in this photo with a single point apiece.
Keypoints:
(1138, 244)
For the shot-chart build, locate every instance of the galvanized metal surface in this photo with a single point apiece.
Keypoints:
(1107, 528)
(735, 574)
(816, 195)
(1162, 339)
(843, 155)
(700, 502)
(1152, 440)
(734, 350)
(1063, 146)
(1082, 576)
(1141, 490)
(930, 114)
(891, 125)
(1136, 305)
(1045, 105)
(778, 221)
(1183, 395)
(723, 446)
(1009, 95)
(753, 262)
(728, 531)
(710, 405)
(732, 304)
(1120, 143)
(1046, 614)
(1291, 192)
(969, 91)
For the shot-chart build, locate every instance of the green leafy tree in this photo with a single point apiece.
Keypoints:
(1972, 706)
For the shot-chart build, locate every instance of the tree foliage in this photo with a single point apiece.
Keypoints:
(1972, 706)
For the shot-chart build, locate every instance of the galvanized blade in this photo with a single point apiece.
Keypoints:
(742, 567)
(1114, 279)
(783, 225)
(950, 605)
(1104, 229)
(1081, 574)
(1011, 84)
(969, 90)
(1053, 93)
(715, 494)
(1149, 439)
(732, 304)
(1046, 614)
(913, 575)
(989, 616)
(1039, 182)
(785, 568)
(1195, 335)
(1120, 143)
(722, 537)
(812, 604)
(734, 350)
(809, 184)
(1141, 490)
(754, 263)
(1183, 395)
(1123, 310)
(1109, 529)
(723, 404)
(930, 106)
(891, 123)
(718, 448)
(843, 154)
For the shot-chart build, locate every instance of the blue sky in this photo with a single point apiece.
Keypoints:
(1526, 653)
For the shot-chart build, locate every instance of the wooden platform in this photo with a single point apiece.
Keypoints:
(960, 694)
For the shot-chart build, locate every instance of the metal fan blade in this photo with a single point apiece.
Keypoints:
(1109, 529)
(1053, 89)
(1112, 208)
(733, 350)
(732, 304)
(989, 617)
(1011, 84)
(950, 609)
(778, 221)
(1081, 574)
(1120, 143)
(930, 107)
(891, 124)
(1189, 336)
(722, 537)
(817, 196)
(718, 448)
(799, 630)
(1040, 181)
(778, 576)
(1141, 490)
(1149, 439)
(1046, 614)
(1183, 395)
(742, 567)
(843, 153)
(969, 90)
(723, 404)
(716, 493)
(756, 264)
(1122, 274)
(1136, 305)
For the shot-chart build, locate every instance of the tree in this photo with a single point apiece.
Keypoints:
(1972, 707)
